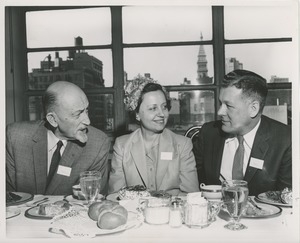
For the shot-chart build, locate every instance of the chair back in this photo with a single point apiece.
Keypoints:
(192, 132)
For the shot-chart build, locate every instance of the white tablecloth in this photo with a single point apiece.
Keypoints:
(282, 228)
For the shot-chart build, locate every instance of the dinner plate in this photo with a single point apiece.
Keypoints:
(25, 197)
(33, 213)
(71, 199)
(267, 211)
(113, 197)
(263, 197)
(12, 212)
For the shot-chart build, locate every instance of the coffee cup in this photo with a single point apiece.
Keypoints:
(211, 192)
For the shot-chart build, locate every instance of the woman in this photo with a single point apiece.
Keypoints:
(152, 155)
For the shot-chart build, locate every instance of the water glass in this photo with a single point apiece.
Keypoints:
(235, 198)
(90, 182)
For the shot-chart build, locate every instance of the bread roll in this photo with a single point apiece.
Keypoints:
(112, 216)
(108, 214)
(94, 208)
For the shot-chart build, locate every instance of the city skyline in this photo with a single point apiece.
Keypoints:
(265, 59)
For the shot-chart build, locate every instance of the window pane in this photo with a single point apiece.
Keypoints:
(166, 23)
(87, 69)
(171, 65)
(100, 110)
(60, 27)
(36, 111)
(259, 21)
(273, 61)
(279, 105)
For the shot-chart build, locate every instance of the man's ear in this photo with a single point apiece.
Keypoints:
(254, 108)
(51, 118)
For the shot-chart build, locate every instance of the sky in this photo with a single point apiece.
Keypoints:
(172, 23)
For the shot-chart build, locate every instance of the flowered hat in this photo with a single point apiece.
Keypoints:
(133, 89)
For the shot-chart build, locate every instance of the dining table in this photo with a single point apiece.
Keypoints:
(282, 227)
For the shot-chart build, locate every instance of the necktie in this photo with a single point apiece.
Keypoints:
(237, 169)
(54, 161)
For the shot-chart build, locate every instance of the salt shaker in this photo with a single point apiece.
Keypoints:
(175, 219)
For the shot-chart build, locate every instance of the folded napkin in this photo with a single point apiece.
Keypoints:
(76, 223)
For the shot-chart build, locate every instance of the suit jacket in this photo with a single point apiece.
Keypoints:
(272, 145)
(174, 175)
(26, 159)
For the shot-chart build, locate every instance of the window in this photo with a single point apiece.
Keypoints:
(188, 49)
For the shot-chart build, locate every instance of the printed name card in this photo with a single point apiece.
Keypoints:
(64, 170)
(166, 156)
(256, 163)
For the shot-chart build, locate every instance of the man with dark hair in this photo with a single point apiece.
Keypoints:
(244, 144)
(47, 156)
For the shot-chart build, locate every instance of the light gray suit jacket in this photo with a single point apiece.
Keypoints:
(174, 175)
(26, 159)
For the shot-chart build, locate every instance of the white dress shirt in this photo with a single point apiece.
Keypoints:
(230, 147)
(52, 144)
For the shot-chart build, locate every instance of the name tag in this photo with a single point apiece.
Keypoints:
(256, 163)
(166, 156)
(64, 170)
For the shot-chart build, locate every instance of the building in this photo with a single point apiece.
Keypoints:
(80, 68)
(231, 64)
(275, 79)
(202, 77)
(197, 107)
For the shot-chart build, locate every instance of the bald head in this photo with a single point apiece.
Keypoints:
(66, 110)
(60, 92)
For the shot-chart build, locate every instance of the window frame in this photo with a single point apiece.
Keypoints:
(16, 60)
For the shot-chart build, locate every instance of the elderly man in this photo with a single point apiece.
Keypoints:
(244, 144)
(64, 137)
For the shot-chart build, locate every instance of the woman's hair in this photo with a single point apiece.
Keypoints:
(149, 88)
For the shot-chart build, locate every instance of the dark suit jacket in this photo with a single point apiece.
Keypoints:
(272, 144)
(26, 159)
(174, 175)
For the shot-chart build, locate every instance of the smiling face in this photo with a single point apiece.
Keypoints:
(239, 114)
(153, 112)
(70, 115)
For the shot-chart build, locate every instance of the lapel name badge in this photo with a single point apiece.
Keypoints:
(256, 163)
(64, 170)
(166, 156)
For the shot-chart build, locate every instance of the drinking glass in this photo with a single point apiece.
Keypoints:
(90, 185)
(235, 197)
(214, 207)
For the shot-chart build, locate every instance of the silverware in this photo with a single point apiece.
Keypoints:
(39, 201)
(254, 203)
(42, 202)
(72, 203)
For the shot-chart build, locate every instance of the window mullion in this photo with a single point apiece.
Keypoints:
(218, 48)
(118, 68)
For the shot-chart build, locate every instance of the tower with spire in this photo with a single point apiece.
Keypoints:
(202, 77)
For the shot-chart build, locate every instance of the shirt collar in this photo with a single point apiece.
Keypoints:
(249, 137)
(52, 140)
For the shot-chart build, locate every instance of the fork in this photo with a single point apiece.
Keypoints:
(253, 203)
